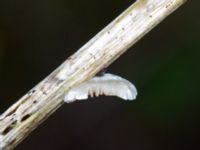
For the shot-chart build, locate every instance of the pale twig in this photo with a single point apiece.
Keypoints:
(34, 107)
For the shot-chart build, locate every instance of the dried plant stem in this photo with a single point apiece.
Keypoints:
(34, 107)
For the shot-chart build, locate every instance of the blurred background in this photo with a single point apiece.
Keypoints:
(36, 36)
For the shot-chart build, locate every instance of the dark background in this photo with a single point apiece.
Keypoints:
(36, 36)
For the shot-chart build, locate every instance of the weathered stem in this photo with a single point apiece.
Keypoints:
(34, 107)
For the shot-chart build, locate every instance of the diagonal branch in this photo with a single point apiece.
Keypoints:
(35, 106)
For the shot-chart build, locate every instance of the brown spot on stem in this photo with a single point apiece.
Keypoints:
(25, 117)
